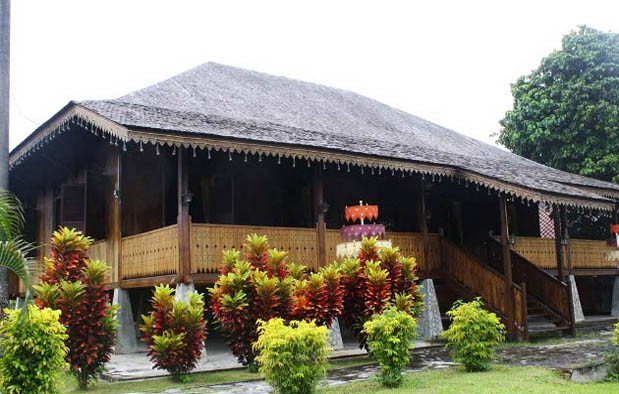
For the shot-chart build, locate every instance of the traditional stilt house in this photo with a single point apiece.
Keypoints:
(167, 177)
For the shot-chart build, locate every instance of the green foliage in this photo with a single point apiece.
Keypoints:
(473, 334)
(377, 278)
(175, 331)
(389, 339)
(75, 285)
(293, 358)
(612, 357)
(14, 250)
(566, 112)
(263, 286)
(34, 351)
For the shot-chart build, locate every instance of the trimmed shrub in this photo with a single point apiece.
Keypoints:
(612, 357)
(376, 278)
(34, 351)
(175, 331)
(390, 335)
(266, 286)
(318, 296)
(292, 358)
(473, 334)
(74, 284)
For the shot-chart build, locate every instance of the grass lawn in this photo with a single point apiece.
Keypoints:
(197, 379)
(500, 379)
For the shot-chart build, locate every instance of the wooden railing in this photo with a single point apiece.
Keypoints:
(584, 253)
(410, 244)
(209, 240)
(479, 279)
(542, 286)
(152, 253)
(98, 251)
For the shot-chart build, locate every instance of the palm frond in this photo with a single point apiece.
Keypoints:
(11, 216)
(14, 256)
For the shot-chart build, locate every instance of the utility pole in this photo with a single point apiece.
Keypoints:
(5, 51)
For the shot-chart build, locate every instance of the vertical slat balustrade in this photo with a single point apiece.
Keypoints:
(152, 253)
(208, 241)
(585, 254)
(98, 251)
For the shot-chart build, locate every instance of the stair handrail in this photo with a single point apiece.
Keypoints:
(519, 313)
(538, 288)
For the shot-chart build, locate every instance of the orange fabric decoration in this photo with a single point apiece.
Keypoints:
(614, 228)
(356, 212)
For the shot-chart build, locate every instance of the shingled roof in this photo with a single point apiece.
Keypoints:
(219, 101)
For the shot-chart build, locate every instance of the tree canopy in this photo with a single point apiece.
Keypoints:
(566, 112)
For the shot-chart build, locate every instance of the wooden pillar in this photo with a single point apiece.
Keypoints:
(566, 240)
(321, 229)
(558, 246)
(45, 227)
(184, 221)
(113, 172)
(507, 266)
(525, 312)
(422, 222)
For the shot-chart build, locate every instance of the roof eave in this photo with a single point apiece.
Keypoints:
(74, 113)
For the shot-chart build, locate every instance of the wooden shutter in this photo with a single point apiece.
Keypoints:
(73, 206)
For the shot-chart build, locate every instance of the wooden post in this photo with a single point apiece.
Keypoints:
(422, 222)
(558, 246)
(566, 240)
(113, 171)
(525, 312)
(321, 229)
(184, 221)
(507, 266)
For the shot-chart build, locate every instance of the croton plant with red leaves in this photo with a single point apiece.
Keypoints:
(266, 286)
(175, 331)
(74, 284)
(376, 278)
(319, 296)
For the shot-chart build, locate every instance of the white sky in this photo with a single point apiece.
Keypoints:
(448, 62)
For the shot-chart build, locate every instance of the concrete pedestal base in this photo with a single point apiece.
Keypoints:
(335, 335)
(430, 325)
(578, 313)
(182, 290)
(614, 310)
(126, 341)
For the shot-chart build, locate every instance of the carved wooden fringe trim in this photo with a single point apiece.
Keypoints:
(117, 134)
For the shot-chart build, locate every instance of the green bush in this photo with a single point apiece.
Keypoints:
(34, 351)
(292, 358)
(473, 334)
(612, 357)
(175, 331)
(389, 339)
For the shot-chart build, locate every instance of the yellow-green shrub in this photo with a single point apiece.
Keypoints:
(389, 339)
(34, 351)
(473, 334)
(292, 358)
(612, 357)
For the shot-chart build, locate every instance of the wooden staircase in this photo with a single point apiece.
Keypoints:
(541, 301)
(541, 321)
(466, 275)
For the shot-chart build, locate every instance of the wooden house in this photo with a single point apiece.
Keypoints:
(167, 177)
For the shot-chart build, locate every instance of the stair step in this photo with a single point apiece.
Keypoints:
(538, 315)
